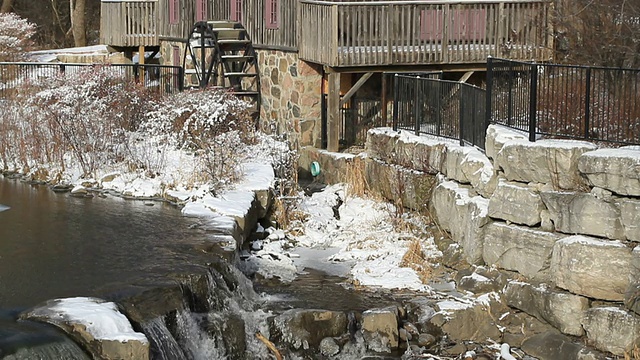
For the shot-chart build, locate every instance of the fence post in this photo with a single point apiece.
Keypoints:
(587, 106)
(396, 93)
(416, 107)
(461, 112)
(533, 102)
(181, 78)
(489, 91)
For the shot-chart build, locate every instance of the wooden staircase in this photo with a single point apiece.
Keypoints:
(221, 54)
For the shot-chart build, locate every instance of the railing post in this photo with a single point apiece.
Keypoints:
(487, 118)
(533, 103)
(416, 107)
(587, 105)
(461, 112)
(181, 78)
(510, 96)
(396, 92)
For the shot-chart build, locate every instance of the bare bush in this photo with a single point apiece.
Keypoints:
(15, 37)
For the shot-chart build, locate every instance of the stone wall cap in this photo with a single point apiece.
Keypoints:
(629, 152)
(585, 240)
(552, 143)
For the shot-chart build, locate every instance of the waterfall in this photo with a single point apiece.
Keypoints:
(163, 344)
(63, 348)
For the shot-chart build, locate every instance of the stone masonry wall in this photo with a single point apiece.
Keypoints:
(563, 216)
(291, 97)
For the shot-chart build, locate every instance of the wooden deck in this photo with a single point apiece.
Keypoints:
(129, 23)
(374, 33)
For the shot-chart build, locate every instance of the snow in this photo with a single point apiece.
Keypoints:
(52, 54)
(584, 240)
(627, 152)
(101, 319)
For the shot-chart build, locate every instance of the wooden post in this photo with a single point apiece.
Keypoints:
(385, 121)
(141, 63)
(333, 112)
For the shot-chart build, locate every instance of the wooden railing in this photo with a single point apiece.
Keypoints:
(369, 33)
(129, 23)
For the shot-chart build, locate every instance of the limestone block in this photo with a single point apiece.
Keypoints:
(617, 170)
(468, 165)
(408, 188)
(612, 329)
(463, 215)
(591, 267)
(497, 136)
(630, 217)
(520, 249)
(552, 345)
(462, 321)
(583, 213)
(421, 153)
(516, 202)
(561, 309)
(632, 296)
(380, 329)
(552, 162)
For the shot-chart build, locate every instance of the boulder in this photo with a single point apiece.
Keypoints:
(462, 321)
(519, 327)
(97, 325)
(591, 267)
(561, 309)
(516, 202)
(583, 213)
(552, 345)
(497, 136)
(329, 347)
(380, 329)
(304, 329)
(617, 170)
(468, 165)
(552, 162)
(632, 296)
(630, 218)
(463, 215)
(402, 148)
(518, 248)
(420, 310)
(612, 329)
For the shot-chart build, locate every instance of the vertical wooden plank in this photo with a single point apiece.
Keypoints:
(333, 112)
(334, 37)
(445, 33)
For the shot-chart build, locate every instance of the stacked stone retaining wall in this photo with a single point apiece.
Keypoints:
(564, 216)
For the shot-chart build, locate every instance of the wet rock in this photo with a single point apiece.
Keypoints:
(553, 345)
(426, 340)
(516, 202)
(153, 303)
(404, 335)
(79, 191)
(612, 329)
(61, 188)
(591, 267)
(561, 309)
(230, 328)
(518, 327)
(380, 329)
(329, 347)
(303, 329)
(410, 328)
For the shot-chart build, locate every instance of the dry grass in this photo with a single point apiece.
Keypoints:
(633, 354)
(286, 213)
(356, 178)
(414, 258)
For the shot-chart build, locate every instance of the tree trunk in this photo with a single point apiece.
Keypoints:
(7, 6)
(78, 25)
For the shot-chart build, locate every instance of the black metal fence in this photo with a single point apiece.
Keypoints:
(427, 105)
(357, 116)
(575, 102)
(164, 79)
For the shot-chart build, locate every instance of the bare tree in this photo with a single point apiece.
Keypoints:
(599, 32)
(78, 24)
(7, 6)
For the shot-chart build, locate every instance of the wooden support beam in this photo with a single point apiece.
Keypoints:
(141, 62)
(466, 76)
(333, 112)
(384, 99)
(355, 88)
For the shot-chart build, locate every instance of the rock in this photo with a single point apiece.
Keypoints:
(426, 340)
(419, 312)
(519, 326)
(404, 335)
(612, 329)
(518, 248)
(463, 215)
(497, 136)
(552, 345)
(591, 267)
(561, 309)
(630, 218)
(515, 202)
(552, 162)
(468, 165)
(632, 296)
(474, 282)
(79, 191)
(231, 329)
(380, 329)
(96, 325)
(329, 347)
(617, 170)
(583, 213)
(462, 321)
(303, 329)
(410, 328)
(153, 303)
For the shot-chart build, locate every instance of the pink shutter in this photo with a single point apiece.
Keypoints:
(272, 18)
(201, 10)
(174, 13)
(431, 25)
(236, 10)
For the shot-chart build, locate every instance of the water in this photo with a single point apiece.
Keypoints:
(53, 245)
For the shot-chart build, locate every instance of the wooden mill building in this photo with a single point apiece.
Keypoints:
(309, 57)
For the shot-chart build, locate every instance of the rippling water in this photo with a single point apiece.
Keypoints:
(54, 245)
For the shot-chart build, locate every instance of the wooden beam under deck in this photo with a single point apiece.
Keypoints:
(333, 112)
